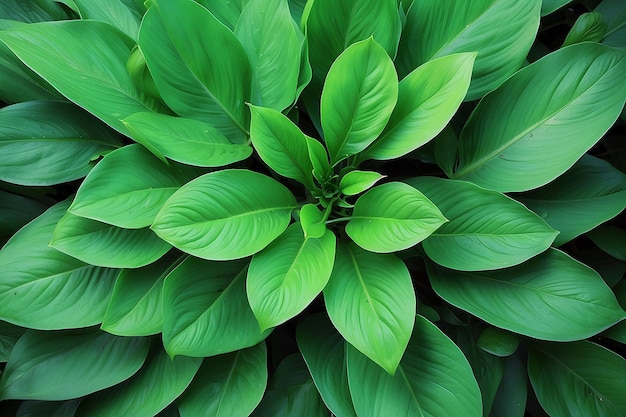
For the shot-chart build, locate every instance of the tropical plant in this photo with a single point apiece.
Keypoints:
(306, 208)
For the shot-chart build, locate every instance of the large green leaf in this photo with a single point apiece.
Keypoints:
(433, 380)
(427, 99)
(159, 382)
(128, 187)
(202, 303)
(227, 12)
(117, 13)
(285, 277)
(500, 31)
(392, 217)
(614, 13)
(97, 81)
(370, 300)
(102, 244)
(273, 44)
(550, 297)
(49, 142)
(42, 288)
(198, 65)
(578, 379)
(225, 214)
(236, 382)
(534, 128)
(188, 141)
(359, 95)
(487, 230)
(590, 193)
(69, 364)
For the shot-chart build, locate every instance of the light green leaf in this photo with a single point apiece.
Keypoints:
(392, 217)
(446, 149)
(550, 6)
(433, 380)
(236, 382)
(9, 335)
(610, 239)
(42, 288)
(98, 81)
(355, 182)
(498, 342)
(198, 65)
(227, 12)
(370, 300)
(117, 13)
(69, 364)
(511, 397)
(188, 141)
(487, 230)
(550, 297)
(511, 139)
(281, 145)
(579, 378)
(50, 142)
(105, 245)
(202, 303)
(589, 27)
(588, 194)
(319, 159)
(427, 99)
(270, 38)
(117, 193)
(359, 95)
(226, 214)
(500, 31)
(158, 383)
(323, 350)
(285, 277)
(312, 221)
(614, 13)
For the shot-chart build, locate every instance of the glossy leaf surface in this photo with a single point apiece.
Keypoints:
(355, 182)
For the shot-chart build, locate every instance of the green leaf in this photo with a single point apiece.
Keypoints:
(202, 303)
(433, 379)
(579, 378)
(273, 44)
(69, 364)
(427, 99)
(588, 194)
(510, 140)
(9, 335)
(236, 382)
(285, 277)
(188, 141)
(31, 11)
(117, 13)
(48, 408)
(198, 65)
(370, 300)
(392, 217)
(227, 12)
(355, 182)
(511, 397)
(550, 6)
(225, 214)
(312, 221)
(610, 239)
(323, 350)
(614, 13)
(319, 159)
(42, 288)
(487, 230)
(524, 299)
(102, 244)
(500, 31)
(15, 211)
(158, 383)
(589, 27)
(117, 193)
(49, 142)
(359, 95)
(281, 145)
(98, 82)
(498, 342)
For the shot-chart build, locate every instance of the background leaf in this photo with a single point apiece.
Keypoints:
(117, 13)
(47, 408)
(614, 13)
(9, 335)
(550, 6)
(610, 239)
(510, 399)
(15, 211)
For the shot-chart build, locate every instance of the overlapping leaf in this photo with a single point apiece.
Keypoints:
(117, 13)
(614, 14)
(512, 394)
(35, 408)
(227, 12)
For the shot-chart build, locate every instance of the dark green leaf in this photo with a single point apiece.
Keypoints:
(498, 342)
(9, 334)
(510, 399)
(47, 408)
(31, 11)
(614, 13)
(17, 210)
(610, 239)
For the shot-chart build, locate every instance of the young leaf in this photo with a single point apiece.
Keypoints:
(370, 300)
(500, 31)
(392, 217)
(312, 221)
(101, 244)
(200, 68)
(319, 159)
(579, 377)
(236, 382)
(589, 27)
(355, 182)
(234, 213)
(506, 149)
(188, 141)
(523, 299)
(42, 288)
(427, 99)
(116, 193)
(359, 95)
(285, 277)
(69, 364)
(202, 303)
(487, 230)
(433, 379)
